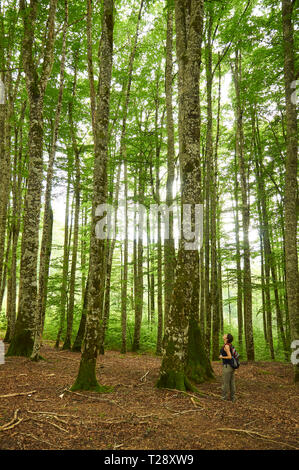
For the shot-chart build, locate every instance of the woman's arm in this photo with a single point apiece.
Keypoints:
(227, 350)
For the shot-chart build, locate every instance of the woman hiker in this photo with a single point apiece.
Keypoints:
(228, 373)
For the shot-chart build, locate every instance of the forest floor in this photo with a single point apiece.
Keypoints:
(44, 414)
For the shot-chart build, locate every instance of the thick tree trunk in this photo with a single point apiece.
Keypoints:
(291, 187)
(178, 333)
(23, 339)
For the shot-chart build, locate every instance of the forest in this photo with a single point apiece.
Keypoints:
(148, 208)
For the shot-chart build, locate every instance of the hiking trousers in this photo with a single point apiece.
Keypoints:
(228, 382)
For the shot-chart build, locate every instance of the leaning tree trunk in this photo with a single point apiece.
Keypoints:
(291, 188)
(86, 379)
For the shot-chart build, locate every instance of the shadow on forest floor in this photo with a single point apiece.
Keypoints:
(138, 416)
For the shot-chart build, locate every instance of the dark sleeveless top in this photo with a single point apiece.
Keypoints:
(223, 353)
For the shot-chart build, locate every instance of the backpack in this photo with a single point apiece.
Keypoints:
(235, 361)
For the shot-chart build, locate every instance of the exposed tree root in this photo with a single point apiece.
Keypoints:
(12, 423)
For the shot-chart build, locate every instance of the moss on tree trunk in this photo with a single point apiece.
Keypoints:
(21, 344)
(198, 366)
(87, 380)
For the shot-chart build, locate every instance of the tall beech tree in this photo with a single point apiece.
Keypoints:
(169, 249)
(123, 153)
(291, 187)
(87, 379)
(189, 26)
(46, 241)
(36, 83)
(242, 165)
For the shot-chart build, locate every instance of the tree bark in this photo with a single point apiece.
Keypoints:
(291, 186)
(23, 339)
(86, 379)
(46, 243)
(179, 356)
(65, 265)
(123, 154)
(169, 249)
(245, 211)
(76, 152)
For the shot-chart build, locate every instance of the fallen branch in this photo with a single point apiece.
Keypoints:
(116, 446)
(183, 411)
(95, 398)
(261, 436)
(36, 438)
(51, 413)
(17, 394)
(50, 422)
(143, 378)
